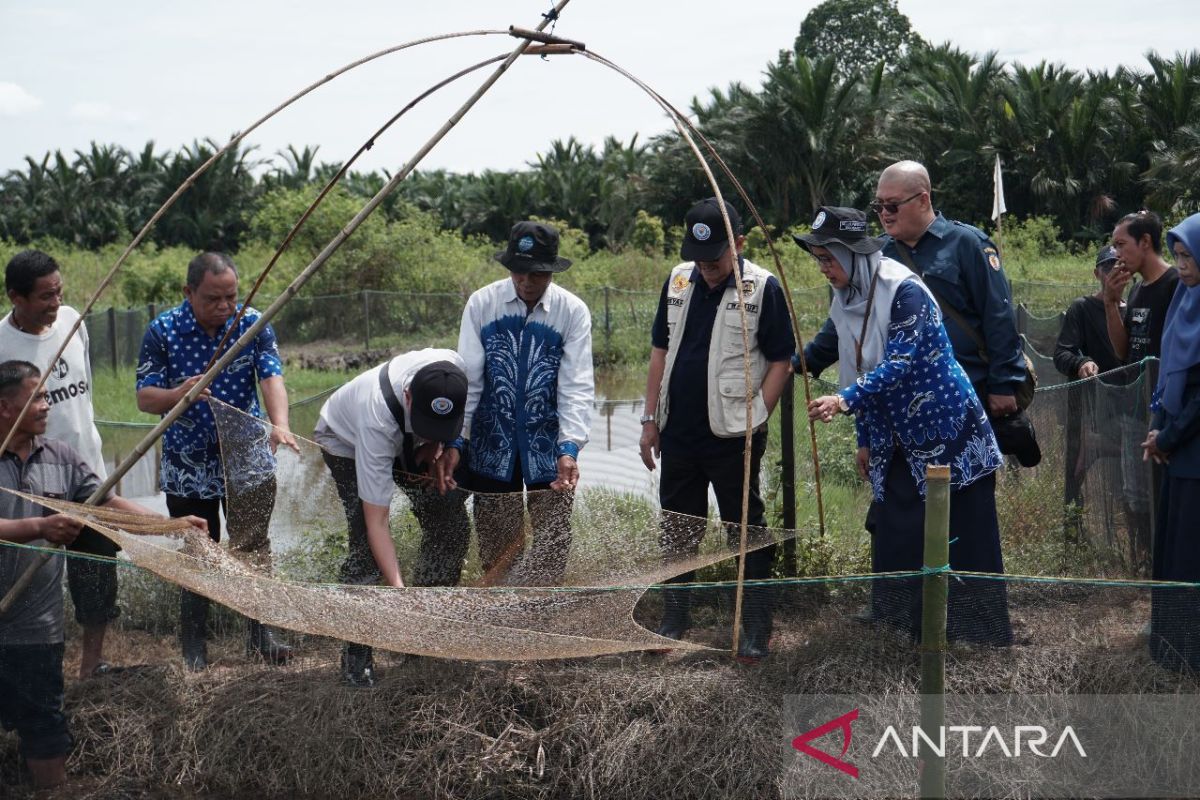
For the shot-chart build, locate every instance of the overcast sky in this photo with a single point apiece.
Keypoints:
(73, 71)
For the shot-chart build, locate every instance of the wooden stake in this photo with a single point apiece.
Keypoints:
(933, 626)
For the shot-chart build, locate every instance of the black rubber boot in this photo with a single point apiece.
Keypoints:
(358, 666)
(193, 625)
(262, 642)
(755, 639)
(677, 605)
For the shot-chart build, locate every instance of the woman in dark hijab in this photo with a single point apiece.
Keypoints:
(1174, 441)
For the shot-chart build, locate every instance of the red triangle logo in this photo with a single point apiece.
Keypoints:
(842, 723)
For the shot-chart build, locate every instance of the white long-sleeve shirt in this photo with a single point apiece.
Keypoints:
(355, 422)
(529, 380)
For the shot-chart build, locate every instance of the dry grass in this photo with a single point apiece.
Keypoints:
(619, 727)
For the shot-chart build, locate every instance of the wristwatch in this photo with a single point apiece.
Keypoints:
(646, 418)
(843, 406)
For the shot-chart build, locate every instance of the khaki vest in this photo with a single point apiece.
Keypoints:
(726, 374)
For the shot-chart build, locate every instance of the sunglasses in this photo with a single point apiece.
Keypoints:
(880, 206)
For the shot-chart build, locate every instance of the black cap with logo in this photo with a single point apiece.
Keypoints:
(704, 237)
(1106, 257)
(846, 226)
(532, 247)
(439, 398)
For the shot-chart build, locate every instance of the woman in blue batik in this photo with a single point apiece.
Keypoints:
(1174, 440)
(913, 406)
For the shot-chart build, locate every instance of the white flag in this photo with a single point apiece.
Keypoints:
(997, 191)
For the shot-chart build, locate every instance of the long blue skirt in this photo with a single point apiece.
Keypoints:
(1175, 611)
(977, 608)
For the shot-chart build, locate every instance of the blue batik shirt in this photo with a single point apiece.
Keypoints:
(176, 348)
(920, 400)
(529, 380)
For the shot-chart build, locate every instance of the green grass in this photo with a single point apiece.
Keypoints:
(115, 400)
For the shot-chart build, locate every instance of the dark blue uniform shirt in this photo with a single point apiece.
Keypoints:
(962, 267)
(688, 429)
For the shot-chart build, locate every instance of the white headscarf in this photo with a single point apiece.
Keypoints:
(850, 307)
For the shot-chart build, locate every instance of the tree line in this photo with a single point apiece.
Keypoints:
(1079, 147)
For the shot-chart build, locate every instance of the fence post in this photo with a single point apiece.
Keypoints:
(607, 321)
(787, 463)
(112, 336)
(366, 320)
(933, 628)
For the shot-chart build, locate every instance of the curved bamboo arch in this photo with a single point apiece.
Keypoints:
(684, 127)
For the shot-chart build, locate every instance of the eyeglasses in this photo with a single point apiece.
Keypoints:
(825, 261)
(880, 206)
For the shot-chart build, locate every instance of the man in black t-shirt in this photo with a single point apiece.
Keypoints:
(1083, 349)
(1136, 335)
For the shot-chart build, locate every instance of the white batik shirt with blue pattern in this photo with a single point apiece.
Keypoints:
(174, 348)
(919, 399)
(529, 380)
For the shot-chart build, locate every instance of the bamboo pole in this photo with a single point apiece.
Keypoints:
(148, 441)
(676, 114)
(187, 184)
(933, 627)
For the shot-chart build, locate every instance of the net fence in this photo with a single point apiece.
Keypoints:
(529, 689)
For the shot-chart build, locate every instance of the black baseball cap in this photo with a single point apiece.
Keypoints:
(1107, 254)
(704, 236)
(532, 247)
(439, 398)
(846, 226)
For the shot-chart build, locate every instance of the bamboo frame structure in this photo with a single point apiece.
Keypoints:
(211, 373)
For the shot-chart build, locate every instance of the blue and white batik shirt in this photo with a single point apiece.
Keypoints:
(529, 380)
(174, 349)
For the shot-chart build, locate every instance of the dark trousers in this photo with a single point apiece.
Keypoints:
(500, 527)
(1175, 611)
(683, 489)
(445, 528)
(977, 608)
(249, 515)
(31, 699)
(93, 584)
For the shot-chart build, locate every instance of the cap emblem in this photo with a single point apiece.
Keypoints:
(819, 221)
(441, 406)
(855, 225)
(525, 244)
(701, 232)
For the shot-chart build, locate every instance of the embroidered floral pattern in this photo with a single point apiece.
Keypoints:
(921, 400)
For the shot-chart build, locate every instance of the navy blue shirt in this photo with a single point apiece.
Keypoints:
(962, 267)
(687, 426)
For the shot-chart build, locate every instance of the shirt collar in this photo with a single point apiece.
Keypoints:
(737, 270)
(38, 442)
(545, 301)
(186, 321)
(939, 226)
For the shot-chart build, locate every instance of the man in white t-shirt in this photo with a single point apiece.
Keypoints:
(382, 430)
(33, 331)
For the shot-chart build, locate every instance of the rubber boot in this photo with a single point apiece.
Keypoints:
(677, 605)
(358, 666)
(262, 642)
(755, 639)
(193, 625)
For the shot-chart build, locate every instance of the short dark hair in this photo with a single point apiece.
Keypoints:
(25, 268)
(13, 374)
(211, 262)
(1144, 223)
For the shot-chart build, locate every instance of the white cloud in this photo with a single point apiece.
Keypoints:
(15, 101)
